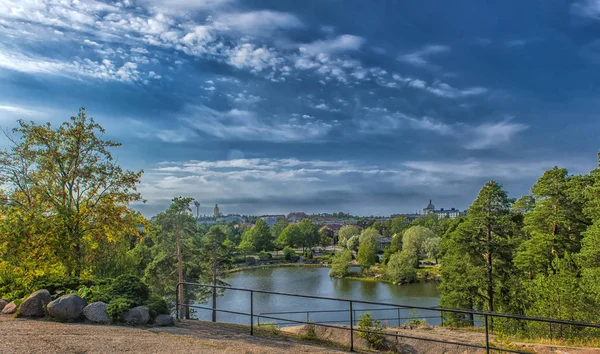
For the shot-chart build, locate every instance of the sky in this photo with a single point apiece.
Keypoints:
(366, 107)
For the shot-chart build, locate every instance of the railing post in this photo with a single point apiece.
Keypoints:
(351, 328)
(550, 323)
(252, 313)
(487, 335)
(177, 301)
(398, 317)
(307, 317)
(442, 317)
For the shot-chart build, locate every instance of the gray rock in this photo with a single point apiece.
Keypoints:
(2, 304)
(67, 307)
(164, 320)
(138, 315)
(96, 312)
(34, 305)
(10, 308)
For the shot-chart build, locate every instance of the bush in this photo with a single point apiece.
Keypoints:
(94, 293)
(157, 306)
(129, 287)
(118, 307)
(264, 256)
(251, 260)
(366, 323)
(340, 264)
(289, 253)
(308, 254)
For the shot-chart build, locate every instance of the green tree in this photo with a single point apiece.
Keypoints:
(290, 237)
(340, 264)
(325, 237)
(352, 243)
(68, 176)
(412, 241)
(398, 225)
(400, 268)
(257, 239)
(345, 233)
(276, 230)
(310, 234)
(216, 252)
(431, 246)
(367, 248)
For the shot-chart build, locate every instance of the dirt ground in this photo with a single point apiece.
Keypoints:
(41, 336)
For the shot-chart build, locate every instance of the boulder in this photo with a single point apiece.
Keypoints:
(96, 312)
(164, 320)
(34, 305)
(2, 304)
(67, 307)
(10, 308)
(138, 315)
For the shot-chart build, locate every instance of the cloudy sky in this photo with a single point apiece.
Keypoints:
(368, 107)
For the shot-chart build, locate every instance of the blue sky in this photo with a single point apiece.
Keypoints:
(368, 107)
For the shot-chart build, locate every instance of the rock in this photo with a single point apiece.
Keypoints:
(67, 307)
(10, 308)
(34, 305)
(138, 315)
(164, 320)
(2, 304)
(96, 312)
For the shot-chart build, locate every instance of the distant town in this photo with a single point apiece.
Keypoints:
(334, 221)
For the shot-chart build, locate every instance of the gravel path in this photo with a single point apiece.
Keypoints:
(41, 336)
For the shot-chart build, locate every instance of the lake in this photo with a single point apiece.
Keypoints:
(316, 281)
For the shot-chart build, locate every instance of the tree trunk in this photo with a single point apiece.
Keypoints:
(180, 272)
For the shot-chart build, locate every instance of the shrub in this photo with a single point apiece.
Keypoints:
(366, 323)
(340, 264)
(308, 254)
(264, 256)
(129, 287)
(94, 293)
(117, 308)
(289, 253)
(251, 260)
(157, 306)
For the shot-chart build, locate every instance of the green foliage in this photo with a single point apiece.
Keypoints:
(431, 246)
(264, 256)
(129, 287)
(309, 234)
(345, 233)
(157, 306)
(289, 237)
(118, 307)
(277, 229)
(250, 261)
(400, 268)
(367, 248)
(340, 263)
(366, 323)
(353, 242)
(412, 241)
(289, 254)
(94, 293)
(308, 254)
(261, 237)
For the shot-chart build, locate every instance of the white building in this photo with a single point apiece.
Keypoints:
(272, 219)
(451, 213)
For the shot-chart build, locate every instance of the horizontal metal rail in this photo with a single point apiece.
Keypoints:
(485, 316)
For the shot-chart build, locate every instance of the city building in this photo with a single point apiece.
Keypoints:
(296, 217)
(272, 219)
(451, 213)
(217, 212)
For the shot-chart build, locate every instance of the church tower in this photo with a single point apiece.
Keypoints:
(217, 212)
(430, 208)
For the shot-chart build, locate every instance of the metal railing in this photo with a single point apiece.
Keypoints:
(486, 317)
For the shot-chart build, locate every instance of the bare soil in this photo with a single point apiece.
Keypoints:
(43, 336)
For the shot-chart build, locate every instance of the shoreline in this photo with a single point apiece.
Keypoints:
(422, 276)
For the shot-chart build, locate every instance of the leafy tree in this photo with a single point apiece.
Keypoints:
(290, 237)
(400, 268)
(352, 243)
(340, 264)
(310, 234)
(276, 230)
(257, 239)
(367, 248)
(217, 255)
(412, 241)
(345, 233)
(68, 177)
(246, 246)
(398, 225)
(431, 246)
(325, 237)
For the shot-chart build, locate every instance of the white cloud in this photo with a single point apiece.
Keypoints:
(475, 169)
(444, 90)
(346, 42)
(587, 8)
(247, 56)
(10, 111)
(489, 135)
(379, 121)
(260, 22)
(421, 56)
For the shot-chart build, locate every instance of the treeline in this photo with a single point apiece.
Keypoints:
(536, 256)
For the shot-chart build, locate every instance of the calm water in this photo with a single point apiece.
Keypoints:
(316, 281)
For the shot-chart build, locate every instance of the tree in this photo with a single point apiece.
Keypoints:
(69, 177)
(345, 233)
(400, 268)
(176, 255)
(217, 255)
(431, 246)
(258, 238)
(325, 237)
(290, 237)
(412, 241)
(398, 225)
(276, 230)
(352, 243)
(310, 234)
(340, 264)
(367, 248)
